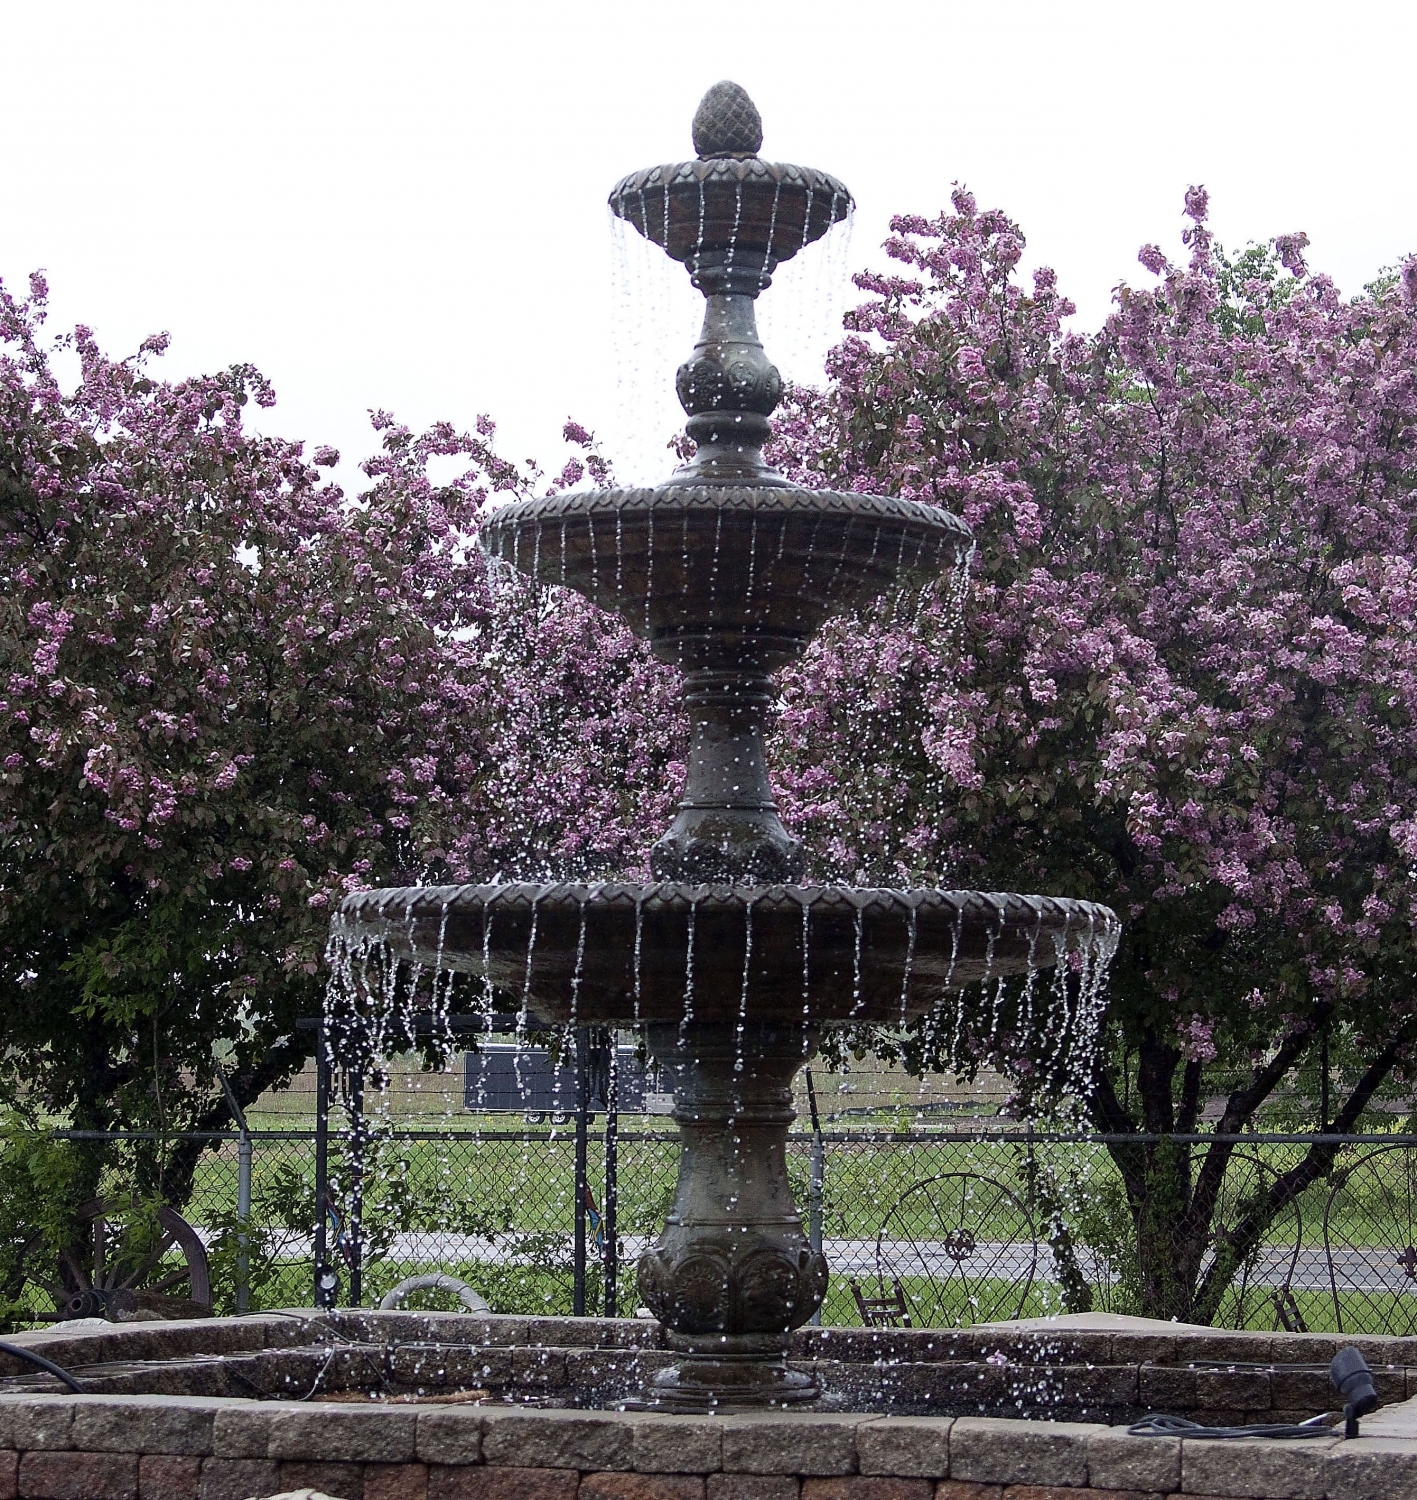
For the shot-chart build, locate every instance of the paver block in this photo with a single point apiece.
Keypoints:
(614, 1369)
(36, 1422)
(242, 1430)
(9, 1473)
(79, 1476)
(867, 1487)
(433, 1366)
(238, 1478)
(1222, 1346)
(998, 1450)
(1397, 1351)
(908, 1446)
(558, 1439)
(790, 1443)
(1118, 1461)
(1166, 1388)
(1397, 1419)
(169, 1476)
(339, 1481)
(1234, 1390)
(396, 1482)
(1372, 1469)
(505, 1483)
(1142, 1348)
(1101, 1386)
(621, 1486)
(675, 1445)
(1284, 1470)
(1067, 1492)
(1309, 1390)
(752, 1487)
(539, 1367)
(449, 1435)
(347, 1434)
(145, 1424)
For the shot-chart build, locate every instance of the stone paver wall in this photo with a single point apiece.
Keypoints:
(1056, 1370)
(194, 1448)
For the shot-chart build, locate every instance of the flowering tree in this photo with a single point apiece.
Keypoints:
(1184, 682)
(228, 695)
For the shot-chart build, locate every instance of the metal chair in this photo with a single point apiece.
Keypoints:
(882, 1312)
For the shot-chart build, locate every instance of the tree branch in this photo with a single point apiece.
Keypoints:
(1317, 1162)
(1238, 1109)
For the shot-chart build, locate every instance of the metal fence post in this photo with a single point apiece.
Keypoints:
(243, 1196)
(814, 1183)
(243, 1220)
(612, 1184)
(326, 1283)
(582, 1184)
(354, 1235)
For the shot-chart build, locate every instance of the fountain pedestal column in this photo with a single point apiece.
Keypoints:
(733, 1272)
(726, 830)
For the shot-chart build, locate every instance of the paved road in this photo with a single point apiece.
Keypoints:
(1376, 1271)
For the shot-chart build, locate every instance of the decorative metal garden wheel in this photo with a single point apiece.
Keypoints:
(127, 1264)
(963, 1249)
(1370, 1237)
(1263, 1291)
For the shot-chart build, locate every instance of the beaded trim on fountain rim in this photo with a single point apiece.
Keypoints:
(745, 499)
(1007, 909)
(731, 171)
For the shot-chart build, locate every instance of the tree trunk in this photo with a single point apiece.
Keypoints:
(1173, 1189)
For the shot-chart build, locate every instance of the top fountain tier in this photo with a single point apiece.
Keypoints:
(728, 567)
(731, 217)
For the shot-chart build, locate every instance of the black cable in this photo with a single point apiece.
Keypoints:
(1164, 1424)
(1348, 1370)
(47, 1365)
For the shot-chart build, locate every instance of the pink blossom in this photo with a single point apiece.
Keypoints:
(1151, 257)
(1290, 250)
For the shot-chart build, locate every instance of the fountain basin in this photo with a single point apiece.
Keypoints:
(626, 953)
(1098, 1367)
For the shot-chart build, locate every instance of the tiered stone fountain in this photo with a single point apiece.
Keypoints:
(731, 964)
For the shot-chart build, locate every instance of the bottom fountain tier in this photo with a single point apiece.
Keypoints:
(620, 953)
(733, 984)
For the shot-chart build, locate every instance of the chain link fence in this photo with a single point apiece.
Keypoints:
(940, 1227)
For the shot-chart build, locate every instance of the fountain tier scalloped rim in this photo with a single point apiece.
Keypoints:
(626, 953)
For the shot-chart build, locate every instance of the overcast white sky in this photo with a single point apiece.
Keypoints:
(401, 205)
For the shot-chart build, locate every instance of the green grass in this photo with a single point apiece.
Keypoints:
(523, 1188)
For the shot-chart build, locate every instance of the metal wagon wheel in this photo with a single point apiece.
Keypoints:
(123, 1265)
(1370, 1239)
(962, 1246)
(1265, 1281)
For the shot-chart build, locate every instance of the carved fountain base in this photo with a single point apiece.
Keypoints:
(733, 1272)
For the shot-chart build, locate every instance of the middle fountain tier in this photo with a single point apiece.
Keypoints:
(728, 960)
